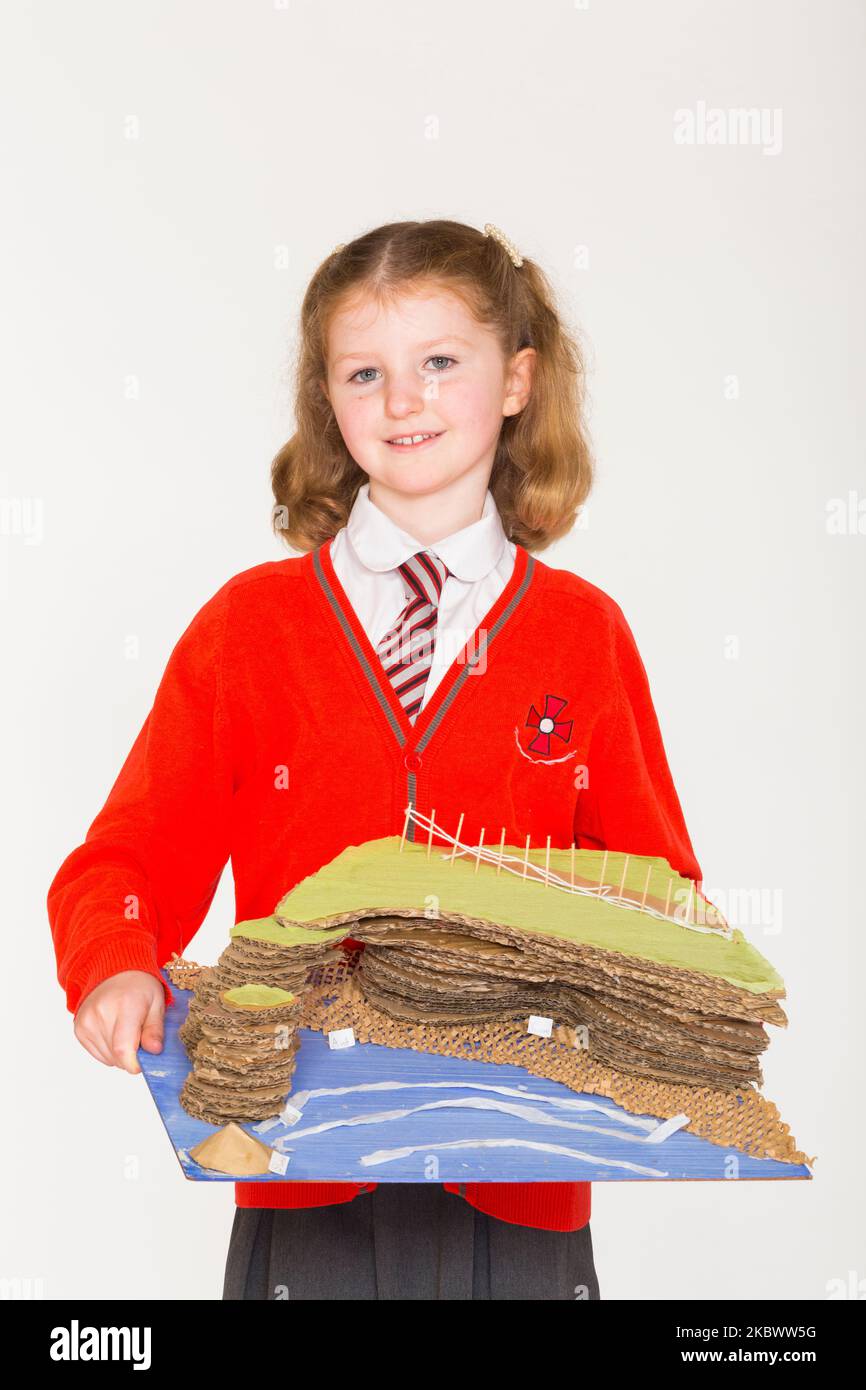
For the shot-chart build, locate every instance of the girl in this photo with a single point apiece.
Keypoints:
(416, 653)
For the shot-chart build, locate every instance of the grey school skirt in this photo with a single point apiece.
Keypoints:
(402, 1241)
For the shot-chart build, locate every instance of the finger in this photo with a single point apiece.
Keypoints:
(95, 1047)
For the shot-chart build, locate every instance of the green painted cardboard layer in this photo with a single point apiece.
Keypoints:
(377, 876)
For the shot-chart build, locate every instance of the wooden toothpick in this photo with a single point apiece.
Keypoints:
(624, 872)
(478, 851)
(526, 859)
(405, 825)
(646, 887)
(668, 898)
(572, 863)
(430, 831)
(456, 838)
(603, 872)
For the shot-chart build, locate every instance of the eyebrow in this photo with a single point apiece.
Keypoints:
(452, 338)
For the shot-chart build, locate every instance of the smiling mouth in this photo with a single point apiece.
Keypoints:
(414, 441)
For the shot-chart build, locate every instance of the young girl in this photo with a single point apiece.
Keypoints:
(416, 653)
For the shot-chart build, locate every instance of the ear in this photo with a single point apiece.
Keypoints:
(518, 383)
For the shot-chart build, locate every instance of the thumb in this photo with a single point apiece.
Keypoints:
(153, 1028)
(124, 1039)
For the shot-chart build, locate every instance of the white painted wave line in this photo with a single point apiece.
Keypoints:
(521, 1112)
(389, 1155)
(299, 1099)
(667, 1128)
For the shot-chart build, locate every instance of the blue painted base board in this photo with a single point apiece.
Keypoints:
(335, 1155)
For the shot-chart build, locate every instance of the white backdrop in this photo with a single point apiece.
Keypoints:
(174, 172)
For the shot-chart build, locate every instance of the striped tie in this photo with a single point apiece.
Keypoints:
(406, 650)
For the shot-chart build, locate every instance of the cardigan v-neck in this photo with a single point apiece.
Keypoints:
(357, 645)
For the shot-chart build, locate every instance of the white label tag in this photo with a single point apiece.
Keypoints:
(342, 1037)
(289, 1115)
(265, 1125)
(542, 1026)
(278, 1163)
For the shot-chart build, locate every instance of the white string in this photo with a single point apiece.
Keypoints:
(526, 868)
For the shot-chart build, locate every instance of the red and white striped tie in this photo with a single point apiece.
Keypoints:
(406, 650)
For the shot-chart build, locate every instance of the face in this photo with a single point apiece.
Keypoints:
(421, 365)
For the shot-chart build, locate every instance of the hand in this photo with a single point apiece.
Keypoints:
(122, 1013)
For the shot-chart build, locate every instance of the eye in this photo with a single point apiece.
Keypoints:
(363, 380)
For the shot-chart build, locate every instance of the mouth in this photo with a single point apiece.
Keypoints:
(407, 443)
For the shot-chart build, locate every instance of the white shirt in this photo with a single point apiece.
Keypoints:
(366, 552)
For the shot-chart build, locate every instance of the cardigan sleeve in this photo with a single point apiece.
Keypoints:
(141, 883)
(630, 802)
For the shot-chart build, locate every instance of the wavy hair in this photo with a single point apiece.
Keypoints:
(543, 468)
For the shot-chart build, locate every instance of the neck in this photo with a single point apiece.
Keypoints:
(431, 516)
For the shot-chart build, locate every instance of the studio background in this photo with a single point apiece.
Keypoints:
(174, 173)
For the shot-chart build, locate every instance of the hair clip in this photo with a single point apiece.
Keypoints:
(499, 235)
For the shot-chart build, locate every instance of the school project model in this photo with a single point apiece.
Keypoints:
(605, 971)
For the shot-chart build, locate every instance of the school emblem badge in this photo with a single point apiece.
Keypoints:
(549, 726)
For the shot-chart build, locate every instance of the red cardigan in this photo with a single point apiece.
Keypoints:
(275, 740)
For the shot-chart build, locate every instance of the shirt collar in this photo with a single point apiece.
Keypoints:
(381, 544)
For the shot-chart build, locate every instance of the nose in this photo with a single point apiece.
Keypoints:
(404, 396)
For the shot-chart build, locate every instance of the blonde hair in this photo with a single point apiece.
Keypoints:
(543, 469)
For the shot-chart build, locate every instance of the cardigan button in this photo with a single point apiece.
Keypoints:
(413, 761)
